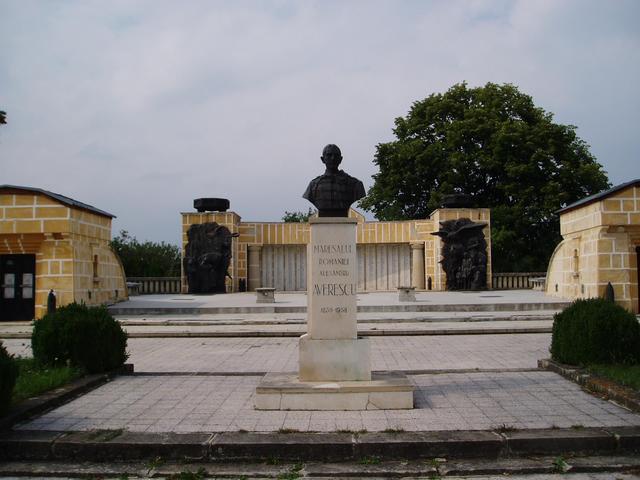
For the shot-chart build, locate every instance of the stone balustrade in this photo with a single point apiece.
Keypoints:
(154, 285)
(515, 280)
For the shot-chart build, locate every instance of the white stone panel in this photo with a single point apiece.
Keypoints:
(334, 360)
(332, 279)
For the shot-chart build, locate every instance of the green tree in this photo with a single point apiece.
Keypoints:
(3, 117)
(298, 217)
(493, 144)
(148, 259)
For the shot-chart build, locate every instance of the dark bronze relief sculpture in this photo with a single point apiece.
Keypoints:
(207, 257)
(333, 192)
(464, 254)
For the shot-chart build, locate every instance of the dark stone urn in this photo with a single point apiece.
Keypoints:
(211, 204)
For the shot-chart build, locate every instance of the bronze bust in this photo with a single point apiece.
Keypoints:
(333, 192)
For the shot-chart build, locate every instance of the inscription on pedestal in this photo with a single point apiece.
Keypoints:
(332, 281)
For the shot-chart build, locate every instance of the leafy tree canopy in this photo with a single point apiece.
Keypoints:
(148, 259)
(493, 144)
(298, 217)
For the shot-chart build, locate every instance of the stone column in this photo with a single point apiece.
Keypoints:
(331, 351)
(417, 264)
(254, 278)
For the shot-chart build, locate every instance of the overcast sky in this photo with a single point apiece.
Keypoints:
(138, 107)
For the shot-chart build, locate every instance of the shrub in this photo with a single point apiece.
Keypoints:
(88, 337)
(8, 375)
(595, 331)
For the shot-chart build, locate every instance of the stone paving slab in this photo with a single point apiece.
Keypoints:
(239, 355)
(387, 353)
(456, 401)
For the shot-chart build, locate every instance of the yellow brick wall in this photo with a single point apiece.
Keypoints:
(32, 213)
(90, 225)
(54, 271)
(598, 247)
(64, 240)
(620, 208)
(280, 233)
(580, 219)
(104, 285)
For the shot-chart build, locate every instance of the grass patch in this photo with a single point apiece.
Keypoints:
(627, 375)
(393, 430)
(34, 379)
(370, 460)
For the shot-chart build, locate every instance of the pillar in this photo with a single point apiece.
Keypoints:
(253, 263)
(417, 265)
(331, 349)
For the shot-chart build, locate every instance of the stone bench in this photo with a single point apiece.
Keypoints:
(407, 294)
(265, 295)
(538, 283)
(133, 288)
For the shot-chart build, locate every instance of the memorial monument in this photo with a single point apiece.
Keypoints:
(207, 256)
(334, 363)
(464, 254)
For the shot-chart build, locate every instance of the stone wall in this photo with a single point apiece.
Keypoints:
(599, 246)
(73, 256)
(253, 236)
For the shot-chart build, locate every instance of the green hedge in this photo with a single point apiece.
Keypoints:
(8, 375)
(88, 337)
(595, 331)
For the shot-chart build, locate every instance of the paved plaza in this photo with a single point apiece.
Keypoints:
(476, 381)
(214, 403)
(277, 354)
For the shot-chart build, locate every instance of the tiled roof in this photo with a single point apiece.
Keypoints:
(56, 196)
(599, 196)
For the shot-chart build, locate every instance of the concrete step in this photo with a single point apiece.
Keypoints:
(122, 445)
(593, 467)
(295, 329)
(172, 309)
(293, 319)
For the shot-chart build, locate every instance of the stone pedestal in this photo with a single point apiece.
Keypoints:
(406, 294)
(265, 295)
(334, 365)
(331, 350)
(385, 391)
(334, 360)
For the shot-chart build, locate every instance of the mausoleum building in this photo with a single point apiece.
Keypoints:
(52, 242)
(389, 254)
(601, 245)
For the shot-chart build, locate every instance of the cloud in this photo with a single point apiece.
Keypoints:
(140, 107)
